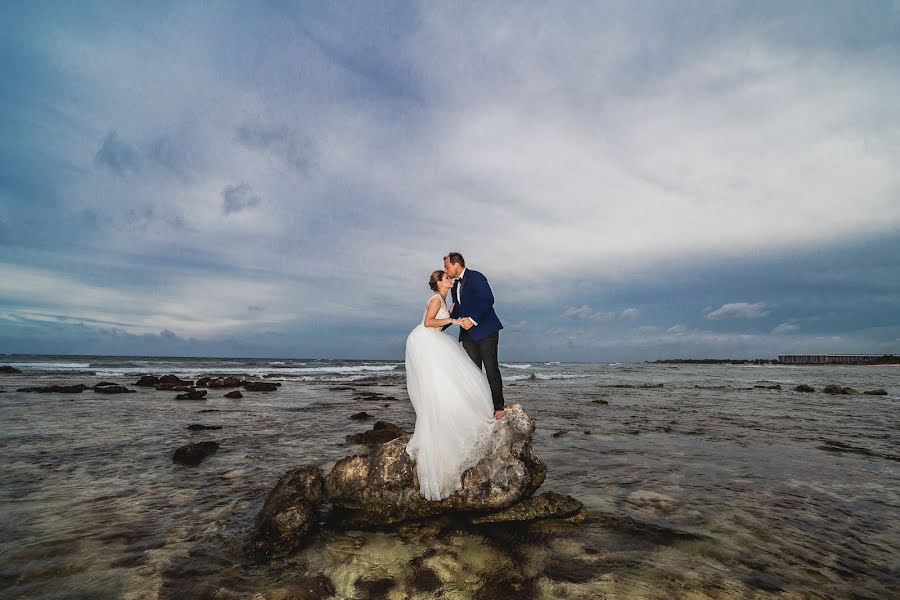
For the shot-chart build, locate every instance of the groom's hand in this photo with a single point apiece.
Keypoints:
(466, 323)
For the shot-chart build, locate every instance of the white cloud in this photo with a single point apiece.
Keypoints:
(785, 328)
(739, 310)
(629, 314)
(676, 329)
(584, 312)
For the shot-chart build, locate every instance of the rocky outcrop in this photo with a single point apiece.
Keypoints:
(192, 395)
(836, 389)
(9, 369)
(776, 386)
(382, 487)
(259, 386)
(175, 379)
(147, 381)
(804, 388)
(360, 416)
(195, 453)
(234, 394)
(290, 512)
(61, 389)
(224, 382)
(382, 432)
(112, 388)
(878, 392)
(548, 504)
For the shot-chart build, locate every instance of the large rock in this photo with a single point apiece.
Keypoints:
(382, 487)
(878, 392)
(147, 381)
(224, 382)
(112, 389)
(9, 369)
(175, 379)
(192, 395)
(381, 433)
(62, 389)
(290, 512)
(259, 386)
(193, 454)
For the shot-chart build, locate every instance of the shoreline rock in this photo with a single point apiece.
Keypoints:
(10, 370)
(60, 389)
(194, 453)
(381, 433)
(290, 512)
(192, 395)
(382, 487)
(234, 394)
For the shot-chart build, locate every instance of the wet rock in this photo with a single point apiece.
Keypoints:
(375, 588)
(561, 432)
(259, 386)
(103, 383)
(192, 395)
(878, 392)
(175, 379)
(380, 433)
(113, 389)
(194, 453)
(546, 505)
(9, 369)
(202, 381)
(599, 402)
(650, 385)
(777, 386)
(361, 415)
(804, 388)
(570, 570)
(382, 487)
(224, 382)
(173, 387)
(833, 389)
(234, 394)
(199, 427)
(850, 390)
(587, 432)
(290, 512)
(147, 381)
(61, 389)
(623, 385)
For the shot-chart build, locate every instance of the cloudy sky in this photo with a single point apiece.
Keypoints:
(638, 180)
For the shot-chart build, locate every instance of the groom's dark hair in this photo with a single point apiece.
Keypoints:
(456, 259)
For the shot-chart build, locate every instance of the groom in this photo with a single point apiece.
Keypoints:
(473, 302)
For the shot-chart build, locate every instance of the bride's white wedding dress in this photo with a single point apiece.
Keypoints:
(454, 411)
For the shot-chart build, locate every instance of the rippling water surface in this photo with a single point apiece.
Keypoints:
(703, 487)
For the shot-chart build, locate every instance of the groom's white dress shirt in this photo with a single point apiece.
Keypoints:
(459, 293)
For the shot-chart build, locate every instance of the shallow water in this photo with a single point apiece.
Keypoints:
(717, 491)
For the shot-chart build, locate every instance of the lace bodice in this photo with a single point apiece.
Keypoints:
(442, 312)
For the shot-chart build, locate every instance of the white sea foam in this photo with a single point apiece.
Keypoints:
(512, 366)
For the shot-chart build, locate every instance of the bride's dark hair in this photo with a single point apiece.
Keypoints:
(435, 278)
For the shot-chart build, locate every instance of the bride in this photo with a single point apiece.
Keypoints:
(451, 397)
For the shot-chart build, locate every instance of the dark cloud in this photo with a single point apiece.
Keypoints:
(236, 198)
(117, 156)
(295, 150)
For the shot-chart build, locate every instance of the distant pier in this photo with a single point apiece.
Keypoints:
(830, 359)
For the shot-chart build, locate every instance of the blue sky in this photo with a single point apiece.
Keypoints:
(638, 180)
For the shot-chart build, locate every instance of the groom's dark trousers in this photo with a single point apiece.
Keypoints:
(481, 342)
(484, 351)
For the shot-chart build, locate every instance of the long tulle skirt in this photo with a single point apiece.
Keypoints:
(454, 411)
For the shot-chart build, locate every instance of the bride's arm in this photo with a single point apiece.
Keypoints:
(434, 305)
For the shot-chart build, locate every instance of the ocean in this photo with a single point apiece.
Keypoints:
(700, 481)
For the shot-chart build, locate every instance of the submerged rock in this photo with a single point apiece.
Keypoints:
(878, 392)
(561, 432)
(290, 512)
(194, 453)
(147, 381)
(112, 389)
(804, 388)
(234, 394)
(199, 427)
(62, 389)
(777, 386)
(173, 387)
(9, 369)
(259, 386)
(548, 504)
(599, 402)
(836, 389)
(224, 382)
(192, 395)
(361, 415)
(382, 487)
(380, 433)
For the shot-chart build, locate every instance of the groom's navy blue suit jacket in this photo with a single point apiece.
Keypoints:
(477, 303)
